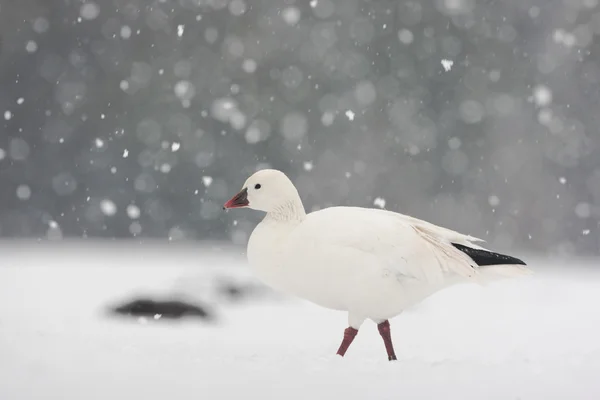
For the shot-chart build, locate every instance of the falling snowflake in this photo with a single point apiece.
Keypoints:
(379, 202)
(291, 15)
(562, 180)
(108, 207)
(125, 153)
(175, 146)
(350, 114)
(125, 32)
(494, 201)
(308, 166)
(180, 29)
(31, 46)
(447, 64)
(133, 211)
(542, 96)
(207, 180)
(23, 192)
(327, 118)
(89, 11)
(585, 232)
(249, 66)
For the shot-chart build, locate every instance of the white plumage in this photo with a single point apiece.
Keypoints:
(371, 263)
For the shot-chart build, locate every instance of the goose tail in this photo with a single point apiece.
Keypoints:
(493, 266)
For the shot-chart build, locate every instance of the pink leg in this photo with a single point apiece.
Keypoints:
(349, 335)
(384, 331)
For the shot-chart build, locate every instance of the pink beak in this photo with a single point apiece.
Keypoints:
(238, 201)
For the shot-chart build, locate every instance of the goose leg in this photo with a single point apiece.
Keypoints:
(349, 335)
(384, 331)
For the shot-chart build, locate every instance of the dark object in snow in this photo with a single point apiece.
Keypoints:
(239, 291)
(484, 257)
(159, 309)
(233, 291)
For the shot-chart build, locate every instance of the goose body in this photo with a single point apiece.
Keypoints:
(370, 263)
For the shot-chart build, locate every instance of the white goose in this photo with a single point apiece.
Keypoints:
(371, 263)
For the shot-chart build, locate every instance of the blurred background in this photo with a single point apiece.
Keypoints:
(139, 118)
(126, 124)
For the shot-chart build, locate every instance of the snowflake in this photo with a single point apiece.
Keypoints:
(207, 180)
(447, 64)
(379, 202)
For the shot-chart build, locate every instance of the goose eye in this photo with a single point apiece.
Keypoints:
(257, 186)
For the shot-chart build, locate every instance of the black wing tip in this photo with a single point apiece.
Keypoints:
(485, 258)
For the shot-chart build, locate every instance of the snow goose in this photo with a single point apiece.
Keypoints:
(371, 263)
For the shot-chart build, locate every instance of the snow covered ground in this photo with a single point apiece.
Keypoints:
(536, 338)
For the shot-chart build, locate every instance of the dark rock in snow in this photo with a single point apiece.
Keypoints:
(238, 291)
(162, 309)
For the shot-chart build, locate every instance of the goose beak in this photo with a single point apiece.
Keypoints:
(237, 201)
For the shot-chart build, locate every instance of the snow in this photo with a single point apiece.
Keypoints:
(125, 32)
(379, 202)
(327, 118)
(89, 11)
(494, 200)
(542, 96)
(40, 25)
(583, 210)
(23, 192)
(211, 35)
(365, 93)
(237, 7)
(31, 46)
(291, 15)
(108, 207)
(18, 149)
(133, 211)
(323, 8)
(405, 36)
(529, 339)
(207, 180)
(447, 64)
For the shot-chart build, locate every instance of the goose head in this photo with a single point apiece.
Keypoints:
(267, 190)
